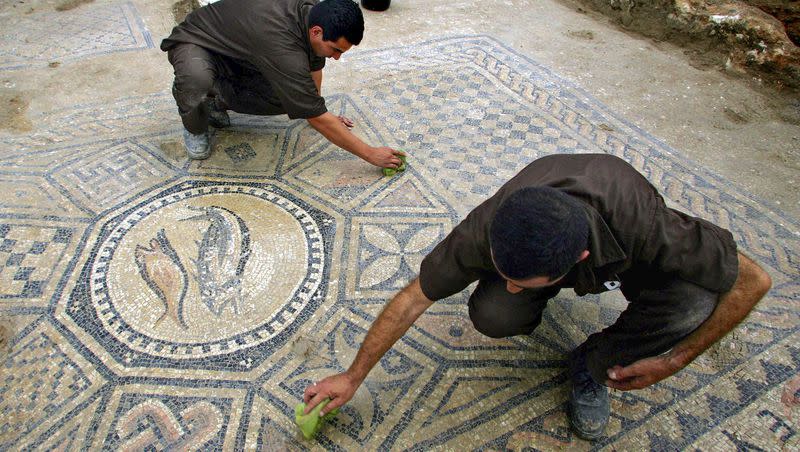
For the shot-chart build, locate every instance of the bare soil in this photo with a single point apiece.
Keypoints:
(183, 7)
(71, 4)
(13, 107)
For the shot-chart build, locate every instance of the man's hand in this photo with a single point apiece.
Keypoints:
(346, 121)
(335, 129)
(391, 324)
(642, 373)
(339, 388)
(384, 157)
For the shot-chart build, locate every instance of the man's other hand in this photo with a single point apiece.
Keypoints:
(339, 388)
(642, 373)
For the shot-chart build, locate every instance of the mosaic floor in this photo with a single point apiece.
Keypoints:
(158, 303)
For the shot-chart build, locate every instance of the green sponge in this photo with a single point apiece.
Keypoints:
(393, 171)
(311, 423)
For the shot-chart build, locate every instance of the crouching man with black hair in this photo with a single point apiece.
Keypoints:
(264, 57)
(591, 223)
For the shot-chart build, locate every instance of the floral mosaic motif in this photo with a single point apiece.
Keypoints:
(390, 253)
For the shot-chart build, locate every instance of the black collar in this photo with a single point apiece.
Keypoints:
(603, 246)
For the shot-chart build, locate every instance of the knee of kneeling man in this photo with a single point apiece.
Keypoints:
(497, 328)
(491, 331)
(192, 94)
(692, 317)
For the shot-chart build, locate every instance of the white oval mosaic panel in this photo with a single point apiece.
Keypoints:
(206, 271)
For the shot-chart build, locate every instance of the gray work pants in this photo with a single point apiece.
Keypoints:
(203, 77)
(658, 316)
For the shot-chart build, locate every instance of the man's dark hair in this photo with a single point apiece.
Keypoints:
(338, 18)
(538, 231)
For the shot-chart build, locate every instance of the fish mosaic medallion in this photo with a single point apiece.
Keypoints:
(211, 273)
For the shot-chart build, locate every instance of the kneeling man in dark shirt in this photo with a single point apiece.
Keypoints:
(264, 58)
(591, 223)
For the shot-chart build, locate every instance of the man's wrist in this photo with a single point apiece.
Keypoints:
(363, 152)
(356, 377)
(679, 358)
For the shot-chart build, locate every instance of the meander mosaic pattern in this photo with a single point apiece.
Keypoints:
(166, 304)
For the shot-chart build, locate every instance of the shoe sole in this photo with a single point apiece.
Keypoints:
(582, 434)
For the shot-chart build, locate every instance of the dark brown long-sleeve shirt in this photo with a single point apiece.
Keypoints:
(269, 36)
(634, 237)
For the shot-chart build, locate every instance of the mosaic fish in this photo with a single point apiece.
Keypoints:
(163, 272)
(222, 255)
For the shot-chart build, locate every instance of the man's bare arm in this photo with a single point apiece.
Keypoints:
(391, 325)
(317, 77)
(387, 329)
(332, 128)
(751, 285)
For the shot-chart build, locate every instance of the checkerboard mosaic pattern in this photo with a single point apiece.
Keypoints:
(29, 39)
(107, 257)
(27, 255)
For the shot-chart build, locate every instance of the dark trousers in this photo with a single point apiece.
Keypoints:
(203, 77)
(657, 317)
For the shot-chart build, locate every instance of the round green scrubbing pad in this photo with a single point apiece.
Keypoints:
(393, 171)
(311, 423)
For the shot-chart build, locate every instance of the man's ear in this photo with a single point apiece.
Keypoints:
(315, 31)
(584, 255)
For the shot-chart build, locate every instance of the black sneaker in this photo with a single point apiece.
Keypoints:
(589, 406)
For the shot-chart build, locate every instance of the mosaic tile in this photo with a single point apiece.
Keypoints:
(83, 32)
(97, 180)
(377, 409)
(188, 304)
(141, 417)
(219, 269)
(14, 325)
(335, 175)
(43, 381)
(405, 193)
(269, 429)
(389, 252)
(302, 138)
(33, 256)
(244, 152)
(72, 432)
(34, 196)
(82, 124)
